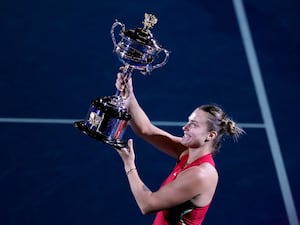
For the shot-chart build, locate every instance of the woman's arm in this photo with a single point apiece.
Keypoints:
(141, 124)
(192, 183)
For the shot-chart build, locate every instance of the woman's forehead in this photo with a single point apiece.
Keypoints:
(198, 115)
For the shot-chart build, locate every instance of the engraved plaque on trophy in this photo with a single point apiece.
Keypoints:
(107, 117)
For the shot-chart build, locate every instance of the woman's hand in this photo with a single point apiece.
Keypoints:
(124, 84)
(127, 155)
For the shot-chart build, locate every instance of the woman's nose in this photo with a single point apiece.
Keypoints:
(185, 127)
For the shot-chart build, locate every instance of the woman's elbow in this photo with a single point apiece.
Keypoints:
(144, 212)
(147, 209)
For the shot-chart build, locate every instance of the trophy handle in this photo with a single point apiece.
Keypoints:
(112, 31)
(164, 61)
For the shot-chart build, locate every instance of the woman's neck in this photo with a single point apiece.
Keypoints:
(197, 153)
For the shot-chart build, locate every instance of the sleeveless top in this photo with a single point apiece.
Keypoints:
(185, 213)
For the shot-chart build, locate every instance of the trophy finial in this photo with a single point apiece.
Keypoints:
(149, 21)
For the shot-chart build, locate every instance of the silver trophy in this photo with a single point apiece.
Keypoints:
(107, 117)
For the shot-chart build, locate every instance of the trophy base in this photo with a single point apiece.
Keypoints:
(106, 121)
(116, 143)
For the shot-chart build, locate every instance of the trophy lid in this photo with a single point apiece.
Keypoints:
(143, 35)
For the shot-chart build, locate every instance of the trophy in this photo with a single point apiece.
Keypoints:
(107, 117)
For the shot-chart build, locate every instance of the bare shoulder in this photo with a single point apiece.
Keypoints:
(205, 171)
(205, 174)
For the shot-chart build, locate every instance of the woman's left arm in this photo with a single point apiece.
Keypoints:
(186, 186)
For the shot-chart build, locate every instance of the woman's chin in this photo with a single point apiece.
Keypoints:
(184, 142)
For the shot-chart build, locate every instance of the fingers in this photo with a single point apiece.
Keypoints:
(120, 76)
(120, 82)
(130, 144)
(127, 154)
(123, 84)
(128, 148)
(122, 150)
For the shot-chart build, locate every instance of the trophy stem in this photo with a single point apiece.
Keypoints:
(126, 74)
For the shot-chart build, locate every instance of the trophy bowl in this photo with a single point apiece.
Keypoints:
(108, 117)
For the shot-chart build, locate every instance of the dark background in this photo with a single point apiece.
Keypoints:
(56, 56)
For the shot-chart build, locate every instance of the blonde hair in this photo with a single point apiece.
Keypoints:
(218, 121)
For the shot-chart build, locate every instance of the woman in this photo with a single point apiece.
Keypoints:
(185, 196)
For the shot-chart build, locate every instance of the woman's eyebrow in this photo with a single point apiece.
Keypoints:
(193, 121)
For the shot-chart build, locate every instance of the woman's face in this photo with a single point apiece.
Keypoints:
(196, 130)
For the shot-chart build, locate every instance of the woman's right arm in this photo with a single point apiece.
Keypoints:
(141, 124)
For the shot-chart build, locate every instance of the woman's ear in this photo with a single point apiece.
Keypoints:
(212, 135)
